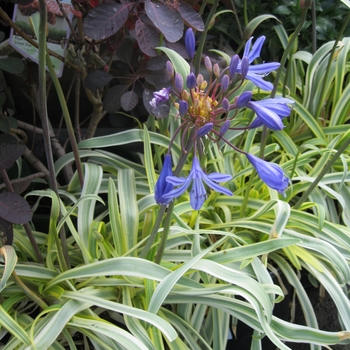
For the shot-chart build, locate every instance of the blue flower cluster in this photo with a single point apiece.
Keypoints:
(204, 107)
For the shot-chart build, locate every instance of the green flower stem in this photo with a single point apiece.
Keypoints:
(154, 233)
(43, 59)
(199, 51)
(42, 94)
(67, 120)
(324, 171)
(330, 60)
(165, 234)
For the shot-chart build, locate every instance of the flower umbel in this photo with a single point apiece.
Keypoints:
(207, 105)
(162, 186)
(272, 174)
(197, 176)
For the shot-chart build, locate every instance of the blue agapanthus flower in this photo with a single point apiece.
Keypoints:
(160, 97)
(257, 72)
(270, 112)
(162, 186)
(272, 174)
(196, 177)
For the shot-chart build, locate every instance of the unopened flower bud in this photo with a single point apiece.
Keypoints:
(204, 130)
(216, 69)
(208, 64)
(224, 127)
(200, 79)
(190, 43)
(195, 103)
(233, 65)
(204, 85)
(183, 107)
(207, 105)
(243, 99)
(185, 95)
(191, 81)
(169, 67)
(179, 82)
(225, 104)
(244, 67)
(224, 83)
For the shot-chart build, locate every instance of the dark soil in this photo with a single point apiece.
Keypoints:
(327, 318)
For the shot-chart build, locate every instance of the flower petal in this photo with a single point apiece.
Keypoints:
(266, 116)
(259, 81)
(198, 194)
(256, 49)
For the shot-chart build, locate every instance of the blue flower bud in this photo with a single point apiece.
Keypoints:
(208, 64)
(179, 82)
(170, 68)
(190, 43)
(191, 81)
(244, 67)
(225, 104)
(224, 127)
(233, 65)
(243, 99)
(183, 107)
(204, 130)
(224, 83)
(272, 174)
(162, 186)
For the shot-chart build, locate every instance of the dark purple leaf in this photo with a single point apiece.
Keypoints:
(111, 102)
(97, 79)
(179, 48)
(156, 63)
(147, 38)
(126, 50)
(6, 232)
(9, 154)
(129, 100)
(147, 97)
(191, 16)
(157, 77)
(105, 20)
(14, 208)
(114, 41)
(166, 19)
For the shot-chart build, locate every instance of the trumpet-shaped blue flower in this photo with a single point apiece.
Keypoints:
(258, 71)
(162, 186)
(270, 112)
(196, 177)
(272, 174)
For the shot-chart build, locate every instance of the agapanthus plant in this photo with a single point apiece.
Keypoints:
(207, 108)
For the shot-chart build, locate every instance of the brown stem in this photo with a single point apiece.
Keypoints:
(28, 178)
(96, 116)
